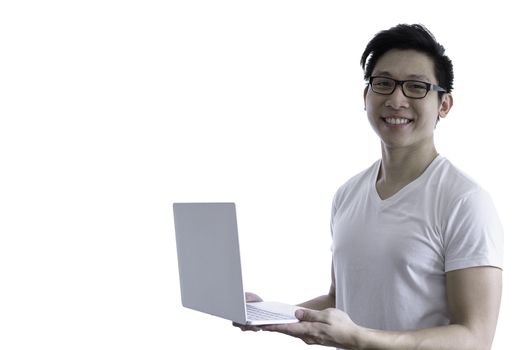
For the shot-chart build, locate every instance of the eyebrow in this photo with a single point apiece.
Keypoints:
(421, 77)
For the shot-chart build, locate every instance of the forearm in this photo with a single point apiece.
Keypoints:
(456, 337)
(320, 303)
(473, 299)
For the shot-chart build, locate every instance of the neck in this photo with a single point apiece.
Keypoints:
(400, 166)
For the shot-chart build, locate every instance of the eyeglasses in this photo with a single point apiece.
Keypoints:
(410, 88)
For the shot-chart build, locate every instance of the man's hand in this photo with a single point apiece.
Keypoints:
(252, 298)
(473, 300)
(330, 327)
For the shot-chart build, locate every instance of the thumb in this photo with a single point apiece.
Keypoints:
(252, 297)
(308, 315)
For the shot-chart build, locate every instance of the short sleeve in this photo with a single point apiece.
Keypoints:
(473, 234)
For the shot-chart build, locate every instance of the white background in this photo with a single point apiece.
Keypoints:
(112, 110)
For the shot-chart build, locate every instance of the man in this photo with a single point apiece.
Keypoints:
(417, 245)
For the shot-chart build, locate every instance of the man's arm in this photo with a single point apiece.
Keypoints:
(324, 301)
(473, 298)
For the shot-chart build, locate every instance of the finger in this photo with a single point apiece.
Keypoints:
(281, 328)
(293, 329)
(302, 331)
(252, 297)
(309, 341)
(308, 315)
(250, 328)
(245, 328)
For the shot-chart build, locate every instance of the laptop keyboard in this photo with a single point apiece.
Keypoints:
(254, 313)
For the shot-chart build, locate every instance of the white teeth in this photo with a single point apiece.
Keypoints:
(397, 120)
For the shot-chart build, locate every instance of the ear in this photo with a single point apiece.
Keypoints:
(445, 105)
(365, 95)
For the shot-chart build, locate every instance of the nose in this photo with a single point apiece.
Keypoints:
(397, 99)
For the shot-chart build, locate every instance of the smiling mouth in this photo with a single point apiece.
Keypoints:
(397, 121)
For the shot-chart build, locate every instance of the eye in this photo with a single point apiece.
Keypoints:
(383, 85)
(416, 86)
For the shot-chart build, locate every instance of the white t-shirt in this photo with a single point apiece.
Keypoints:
(390, 256)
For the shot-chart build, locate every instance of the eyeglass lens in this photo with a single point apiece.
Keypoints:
(410, 88)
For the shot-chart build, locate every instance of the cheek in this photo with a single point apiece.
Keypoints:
(427, 112)
(370, 106)
(370, 112)
(373, 111)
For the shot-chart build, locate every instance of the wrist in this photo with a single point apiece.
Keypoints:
(359, 338)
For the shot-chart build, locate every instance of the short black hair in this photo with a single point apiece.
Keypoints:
(405, 37)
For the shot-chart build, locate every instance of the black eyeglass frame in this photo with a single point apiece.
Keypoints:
(429, 86)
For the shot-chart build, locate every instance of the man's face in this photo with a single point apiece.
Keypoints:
(398, 120)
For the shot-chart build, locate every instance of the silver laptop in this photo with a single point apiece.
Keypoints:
(209, 266)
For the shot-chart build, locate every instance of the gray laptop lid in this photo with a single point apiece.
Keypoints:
(209, 259)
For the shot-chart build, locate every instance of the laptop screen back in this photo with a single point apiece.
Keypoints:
(209, 259)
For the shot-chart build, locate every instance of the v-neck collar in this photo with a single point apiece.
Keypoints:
(407, 188)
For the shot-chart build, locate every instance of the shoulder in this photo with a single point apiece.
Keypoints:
(470, 219)
(358, 182)
(457, 195)
(451, 185)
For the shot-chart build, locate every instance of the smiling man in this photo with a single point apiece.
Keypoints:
(417, 244)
